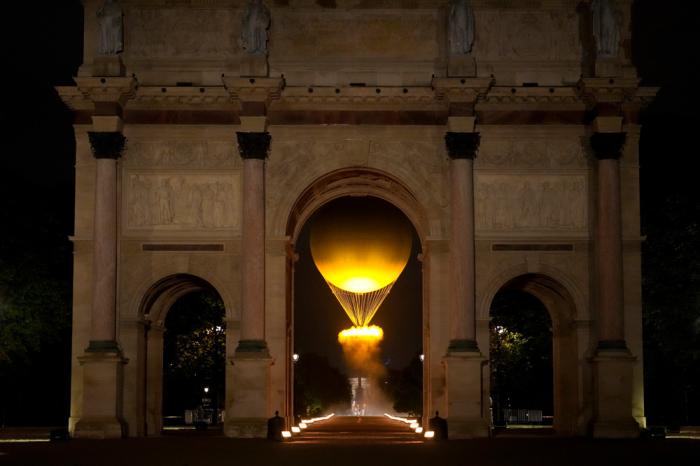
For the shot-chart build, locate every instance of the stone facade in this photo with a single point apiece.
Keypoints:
(356, 98)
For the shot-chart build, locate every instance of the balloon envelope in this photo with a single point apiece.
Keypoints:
(360, 245)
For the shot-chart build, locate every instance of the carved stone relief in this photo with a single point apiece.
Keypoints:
(183, 201)
(527, 35)
(531, 203)
(196, 33)
(181, 154)
(531, 153)
(343, 35)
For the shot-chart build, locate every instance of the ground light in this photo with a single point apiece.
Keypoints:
(412, 424)
(288, 434)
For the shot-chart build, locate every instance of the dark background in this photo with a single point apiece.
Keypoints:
(36, 209)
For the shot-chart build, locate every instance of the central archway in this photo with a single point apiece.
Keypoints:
(351, 182)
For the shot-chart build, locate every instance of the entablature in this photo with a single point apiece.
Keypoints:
(431, 105)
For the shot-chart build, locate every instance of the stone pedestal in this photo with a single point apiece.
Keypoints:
(102, 375)
(613, 392)
(607, 67)
(465, 406)
(111, 65)
(249, 406)
(461, 66)
(253, 65)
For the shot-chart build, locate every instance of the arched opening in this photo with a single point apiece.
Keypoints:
(184, 346)
(533, 353)
(521, 361)
(315, 316)
(194, 362)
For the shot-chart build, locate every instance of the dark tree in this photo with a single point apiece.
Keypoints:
(319, 387)
(194, 352)
(520, 353)
(405, 387)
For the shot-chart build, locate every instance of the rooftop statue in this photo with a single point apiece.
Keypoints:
(606, 27)
(111, 27)
(461, 27)
(256, 22)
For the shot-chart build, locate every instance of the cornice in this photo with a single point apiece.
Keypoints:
(607, 90)
(462, 90)
(210, 97)
(391, 96)
(107, 89)
(253, 89)
(643, 96)
(73, 98)
(547, 96)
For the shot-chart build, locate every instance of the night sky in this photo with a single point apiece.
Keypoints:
(37, 154)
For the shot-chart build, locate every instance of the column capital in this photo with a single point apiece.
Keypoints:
(106, 145)
(253, 145)
(462, 145)
(607, 145)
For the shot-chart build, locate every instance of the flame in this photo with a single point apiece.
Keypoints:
(372, 332)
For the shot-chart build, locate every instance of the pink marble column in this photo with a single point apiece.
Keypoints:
(107, 148)
(607, 148)
(253, 148)
(462, 148)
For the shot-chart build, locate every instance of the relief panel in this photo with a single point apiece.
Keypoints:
(536, 35)
(339, 36)
(195, 33)
(531, 203)
(182, 202)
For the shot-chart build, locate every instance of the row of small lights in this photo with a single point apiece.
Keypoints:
(295, 357)
(413, 424)
(286, 434)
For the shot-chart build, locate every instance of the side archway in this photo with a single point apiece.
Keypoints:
(561, 306)
(154, 306)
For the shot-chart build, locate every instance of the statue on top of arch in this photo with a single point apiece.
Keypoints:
(461, 27)
(606, 27)
(110, 19)
(254, 26)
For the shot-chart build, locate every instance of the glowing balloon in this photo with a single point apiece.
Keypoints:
(360, 246)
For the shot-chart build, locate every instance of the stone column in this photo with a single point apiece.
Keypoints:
(102, 361)
(107, 148)
(249, 410)
(613, 362)
(462, 148)
(463, 362)
(607, 148)
(253, 148)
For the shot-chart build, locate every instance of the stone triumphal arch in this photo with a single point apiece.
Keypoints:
(207, 132)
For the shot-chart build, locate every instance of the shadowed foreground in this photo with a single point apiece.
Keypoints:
(352, 441)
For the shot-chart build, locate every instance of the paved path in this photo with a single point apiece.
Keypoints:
(356, 429)
(352, 442)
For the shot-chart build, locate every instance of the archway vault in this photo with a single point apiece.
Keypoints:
(353, 182)
(356, 181)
